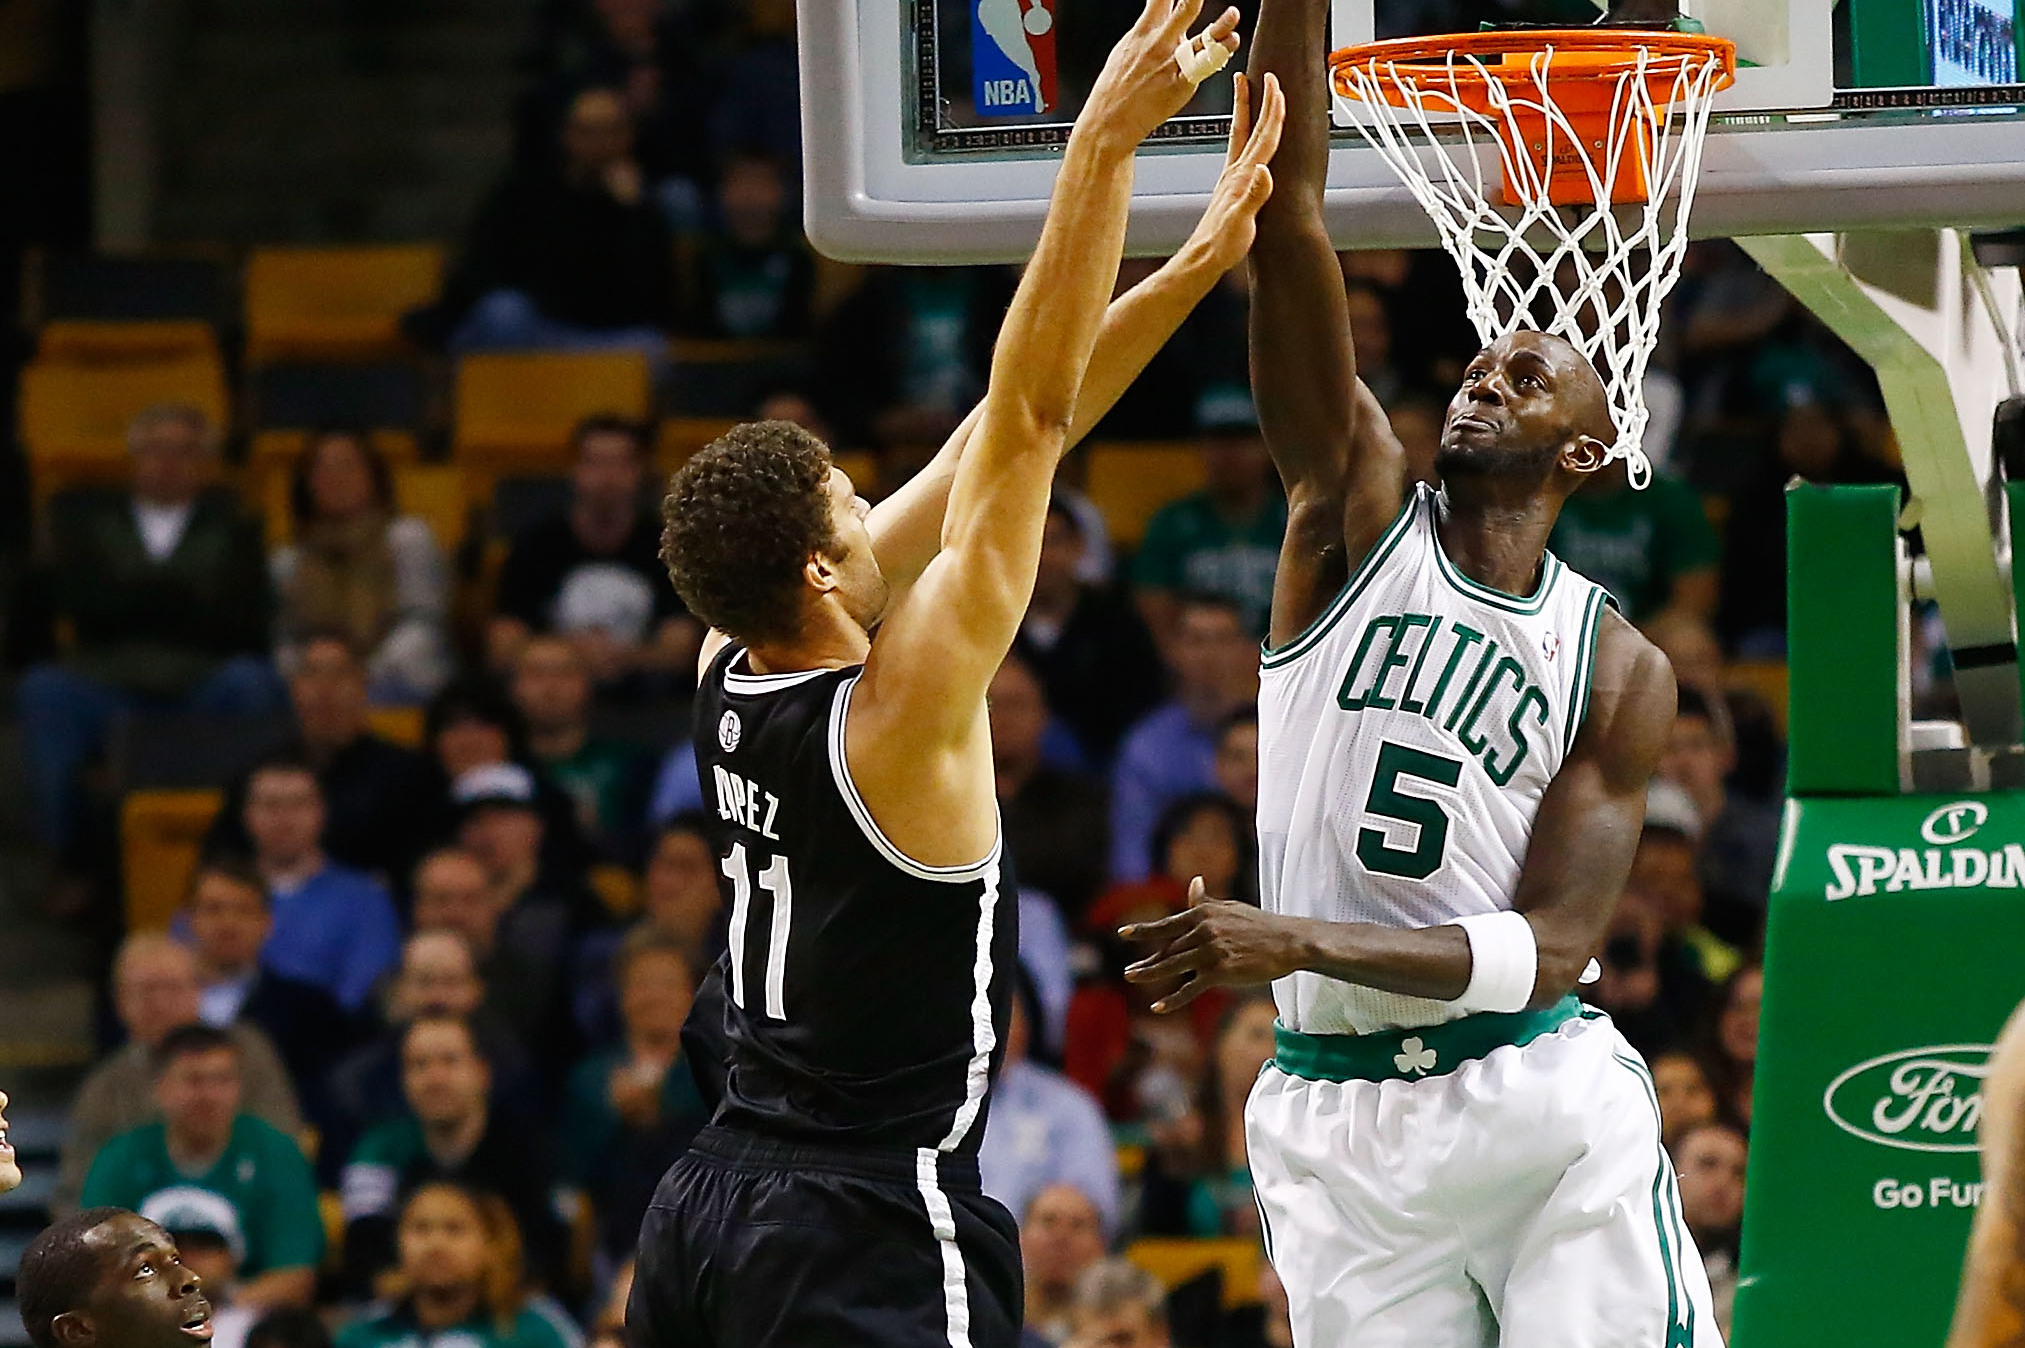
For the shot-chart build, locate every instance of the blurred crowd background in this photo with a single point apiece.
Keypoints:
(350, 807)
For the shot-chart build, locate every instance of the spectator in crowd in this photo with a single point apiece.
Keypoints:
(1740, 836)
(1044, 1129)
(1095, 658)
(752, 276)
(1687, 1099)
(1652, 549)
(1237, 761)
(1709, 1159)
(289, 1327)
(1116, 1047)
(902, 359)
(513, 944)
(438, 977)
(209, 1163)
(593, 574)
(450, 1132)
(1172, 751)
(1223, 540)
(102, 1277)
(1055, 820)
(1690, 646)
(474, 723)
(376, 793)
(459, 1277)
(1061, 1237)
(156, 991)
(166, 596)
(229, 918)
(1198, 1179)
(1735, 1040)
(1667, 868)
(574, 257)
(530, 941)
(359, 570)
(630, 1111)
(605, 779)
(679, 899)
(207, 1252)
(1118, 1305)
(333, 926)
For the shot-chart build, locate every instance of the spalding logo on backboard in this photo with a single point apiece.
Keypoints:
(1012, 45)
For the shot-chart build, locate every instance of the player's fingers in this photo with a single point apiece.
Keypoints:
(1180, 15)
(1158, 929)
(1182, 995)
(1264, 139)
(1198, 892)
(1223, 28)
(1240, 118)
(1170, 963)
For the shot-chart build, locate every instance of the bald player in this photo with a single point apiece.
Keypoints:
(1455, 737)
(107, 1276)
(1991, 1313)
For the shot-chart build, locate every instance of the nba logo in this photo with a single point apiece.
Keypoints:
(1012, 56)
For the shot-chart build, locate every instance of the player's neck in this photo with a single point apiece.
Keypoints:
(829, 639)
(1496, 535)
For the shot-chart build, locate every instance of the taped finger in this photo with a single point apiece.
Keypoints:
(1199, 58)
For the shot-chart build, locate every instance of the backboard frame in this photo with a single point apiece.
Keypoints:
(1865, 163)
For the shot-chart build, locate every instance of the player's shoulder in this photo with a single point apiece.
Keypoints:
(1632, 698)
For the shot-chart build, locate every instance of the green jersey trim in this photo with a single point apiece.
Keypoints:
(1585, 669)
(1412, 1054)
(1359, 581)
(1525, 606)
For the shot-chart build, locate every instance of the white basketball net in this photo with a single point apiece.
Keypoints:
(1513, 259)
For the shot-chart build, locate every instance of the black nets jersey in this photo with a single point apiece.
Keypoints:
(865, 996)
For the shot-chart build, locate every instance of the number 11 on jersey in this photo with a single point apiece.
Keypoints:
(774, 880)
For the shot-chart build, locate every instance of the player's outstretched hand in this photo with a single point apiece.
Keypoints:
(1212, 943)
(1225, 232)
(1144, 82)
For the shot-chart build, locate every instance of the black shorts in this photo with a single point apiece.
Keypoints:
(751, 1243)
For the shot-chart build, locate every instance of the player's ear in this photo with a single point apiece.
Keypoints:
(1584, 454)
(821, 573)
(74, 1329)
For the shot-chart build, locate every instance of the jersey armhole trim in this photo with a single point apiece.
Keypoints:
(1313, 633)
(1585, 655)
(766, 683)
(840, 769)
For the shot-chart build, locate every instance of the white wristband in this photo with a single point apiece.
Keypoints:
(1198, 63)
(1504, 961)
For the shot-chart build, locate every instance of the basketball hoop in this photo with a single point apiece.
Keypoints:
(1599, 134)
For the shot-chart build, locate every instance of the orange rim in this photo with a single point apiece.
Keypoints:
(1594, 57)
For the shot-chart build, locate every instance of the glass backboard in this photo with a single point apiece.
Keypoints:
(932, 127)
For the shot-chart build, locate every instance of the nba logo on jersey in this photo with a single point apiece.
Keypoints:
(1012, 46)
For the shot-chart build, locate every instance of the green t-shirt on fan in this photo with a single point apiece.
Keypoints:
(1190, 545)
(260, 1194)
(1636, 543)
(398, 1328)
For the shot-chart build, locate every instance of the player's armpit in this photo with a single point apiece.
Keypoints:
(1594, 810)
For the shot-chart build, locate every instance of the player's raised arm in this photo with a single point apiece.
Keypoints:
(906, 527)
(1342, 468)
(939, 648)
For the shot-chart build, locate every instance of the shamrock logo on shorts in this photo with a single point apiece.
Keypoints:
(1414, 1057)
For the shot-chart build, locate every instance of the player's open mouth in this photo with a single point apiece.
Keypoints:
(197, 1324)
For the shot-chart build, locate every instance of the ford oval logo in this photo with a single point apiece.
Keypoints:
(1918, 1099)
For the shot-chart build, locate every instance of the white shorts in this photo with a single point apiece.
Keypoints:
(1520, 1200)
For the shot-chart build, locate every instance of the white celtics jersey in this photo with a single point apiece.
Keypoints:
(1405, 740)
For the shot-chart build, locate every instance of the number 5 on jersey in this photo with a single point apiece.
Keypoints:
(1387, 801)
(773, 974)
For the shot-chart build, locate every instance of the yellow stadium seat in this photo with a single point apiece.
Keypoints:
(92, 342)
(73, 418)
(1176, 1261)
(859, 465)
(1130, 482)
(515, 412)
(161, 838)
(617, 888)
(335, 304)
(435, 493)
(398, 725)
